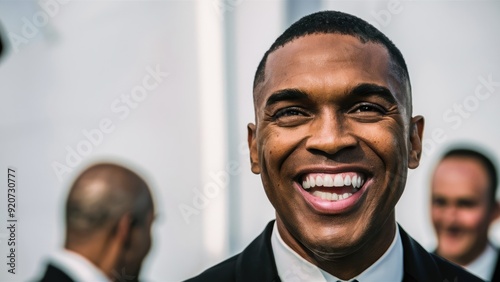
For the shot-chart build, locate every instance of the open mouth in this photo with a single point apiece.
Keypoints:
(453, 232)
(333, 187)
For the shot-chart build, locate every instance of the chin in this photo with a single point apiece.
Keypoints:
(331, 247)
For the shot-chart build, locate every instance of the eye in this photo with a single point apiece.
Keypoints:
(439, 202)
(466, 203)
(288, 112)
(364, 108)
(290, 116)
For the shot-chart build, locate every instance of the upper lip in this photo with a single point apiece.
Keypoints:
(328, 169)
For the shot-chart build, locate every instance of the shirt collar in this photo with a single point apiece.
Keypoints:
(77, 267)
(292, 267)
(484, 265)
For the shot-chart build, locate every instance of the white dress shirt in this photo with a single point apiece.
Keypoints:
(293, 268)
(77, 267)
(484, 265)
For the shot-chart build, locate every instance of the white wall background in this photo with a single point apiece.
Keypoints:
(66, 76)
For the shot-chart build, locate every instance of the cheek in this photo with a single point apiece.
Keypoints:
(436, 216)
(387, 153)
(277, 145)
(474, 219)
(140, 245)
(385, 139)
(145, 243)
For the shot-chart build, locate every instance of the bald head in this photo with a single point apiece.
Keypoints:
(101, 195)
(109, 214)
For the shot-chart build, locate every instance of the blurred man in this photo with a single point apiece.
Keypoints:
(333, 139)
(463, 207)
(109, 212)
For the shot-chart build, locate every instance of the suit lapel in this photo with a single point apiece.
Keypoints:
(418, 265)
(256, 262)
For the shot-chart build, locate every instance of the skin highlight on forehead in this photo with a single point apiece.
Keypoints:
(462, 171)
(301, 50)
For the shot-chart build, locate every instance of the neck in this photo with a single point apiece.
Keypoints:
(469, 257)
(100, 255)
(342, 264)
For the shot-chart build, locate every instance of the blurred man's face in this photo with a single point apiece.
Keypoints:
(332, 142)
(461, 208)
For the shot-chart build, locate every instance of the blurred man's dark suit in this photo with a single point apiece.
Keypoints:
(55, 274)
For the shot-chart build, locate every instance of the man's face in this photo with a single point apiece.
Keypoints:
(332, 141)
(461, 210)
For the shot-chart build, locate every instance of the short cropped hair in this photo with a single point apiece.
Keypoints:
(334, 22)
(486, 162)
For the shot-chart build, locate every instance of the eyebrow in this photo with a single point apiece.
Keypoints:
(360, 90)
(370, 89)
(286, 95)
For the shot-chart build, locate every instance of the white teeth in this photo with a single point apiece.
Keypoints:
(319, 181)
(328, 181)
(331, 196)
(347, 180)
(312, 182)
(338, 181)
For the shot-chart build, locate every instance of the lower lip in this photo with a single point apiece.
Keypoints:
(331, 207)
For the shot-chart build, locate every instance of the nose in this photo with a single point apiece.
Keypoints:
(330, 133)
(450, 214)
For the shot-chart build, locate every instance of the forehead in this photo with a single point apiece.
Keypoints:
(329, 63)
(457, 176)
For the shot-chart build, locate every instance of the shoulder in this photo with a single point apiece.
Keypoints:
(55, 274)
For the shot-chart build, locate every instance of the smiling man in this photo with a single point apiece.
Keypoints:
(332, 141)
(463, 208)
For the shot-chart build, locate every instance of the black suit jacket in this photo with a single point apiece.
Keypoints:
(54, 274)
(256, 263)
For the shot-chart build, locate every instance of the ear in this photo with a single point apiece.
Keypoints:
(123, 228)
(116, 242)
(416, 135)
(252, 146)
(495, 212)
